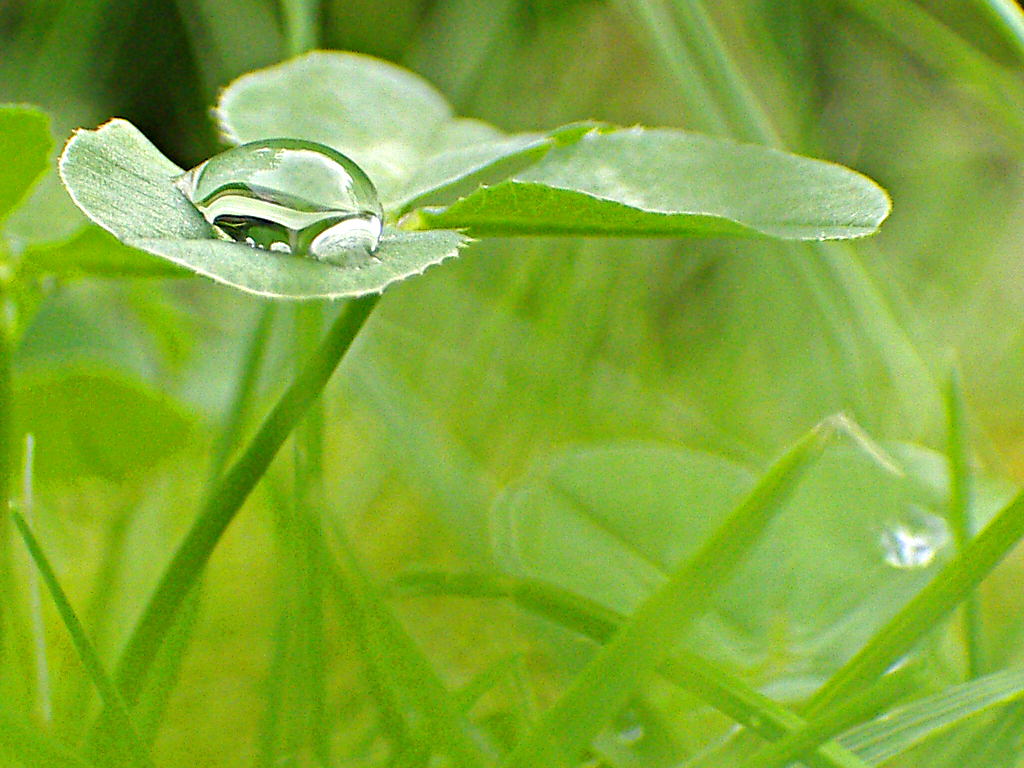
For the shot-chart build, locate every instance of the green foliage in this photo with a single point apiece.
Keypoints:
(619, 183)
(546, 504)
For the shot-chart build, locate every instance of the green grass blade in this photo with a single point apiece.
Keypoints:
(431, 715)
(933, 603)
(33, 750)
(642, 644)
(856, 709)
(656, 24)
(747, 117)
(132, 747)
(942, 49)
(960, 493)
(301, 24)
(704, 678)
(1007, 19)
(227, 497)
(242, 395)
(897, 731)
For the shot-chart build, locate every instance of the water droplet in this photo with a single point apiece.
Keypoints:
(915, 541)
(629, 729)
(289, 196)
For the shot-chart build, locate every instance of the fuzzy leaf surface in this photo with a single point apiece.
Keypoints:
(670, 183)
(125, 185)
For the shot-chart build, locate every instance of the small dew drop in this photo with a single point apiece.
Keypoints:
(629, 729)
(290, 197)
(915, 541)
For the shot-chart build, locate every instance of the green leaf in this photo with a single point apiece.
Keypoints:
(669, 183)
(24, 146)
(643, 643)
(125, 185)
(94, 251)
(412, 150)
(897, 731)
(94, 422)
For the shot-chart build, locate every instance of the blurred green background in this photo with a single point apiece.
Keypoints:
(468, 376)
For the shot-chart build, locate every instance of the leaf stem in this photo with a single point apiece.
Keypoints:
(301, 25)
(228, 496)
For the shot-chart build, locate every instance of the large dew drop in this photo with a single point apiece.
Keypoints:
(289, 196)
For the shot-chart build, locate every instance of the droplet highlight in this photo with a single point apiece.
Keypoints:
(289, 196)
(914, 541)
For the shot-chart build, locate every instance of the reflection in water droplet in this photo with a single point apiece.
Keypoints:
(289, 196)
(915, 541)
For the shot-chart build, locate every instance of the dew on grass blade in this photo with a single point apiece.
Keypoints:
(914, 541)
(289, 196)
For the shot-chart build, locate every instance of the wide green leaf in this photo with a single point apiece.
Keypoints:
(24, 145)
(394, 124)
(95, 422)
(608, 522)
(94, 251)
(125, 185)
(669, 183)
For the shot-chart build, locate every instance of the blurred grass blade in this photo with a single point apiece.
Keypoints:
(1007, 19)
(241, 397)
(655, 21)
(924, 612)
(421, 698)
(44, 695)
(130, 744)
(942, 49)
(31, 749)
(227, 497)
(897, 731)
(960, 504)
(702, 677)
(862, 706)
(639, 647)
(24, 144)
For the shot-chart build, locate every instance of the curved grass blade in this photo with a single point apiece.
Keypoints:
(224, 501)
(130, 743)
(641, 645)
(33, 750)
(704, 678)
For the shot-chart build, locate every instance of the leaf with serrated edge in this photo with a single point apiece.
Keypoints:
(125, 185)
(667, 183)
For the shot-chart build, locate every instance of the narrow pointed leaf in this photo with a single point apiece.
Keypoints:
(643, 643)
(897, 731)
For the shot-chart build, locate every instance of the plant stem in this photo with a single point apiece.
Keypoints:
(301, 25)
(226, 499)
(6, 436)
(243, 391)
(960, 489)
